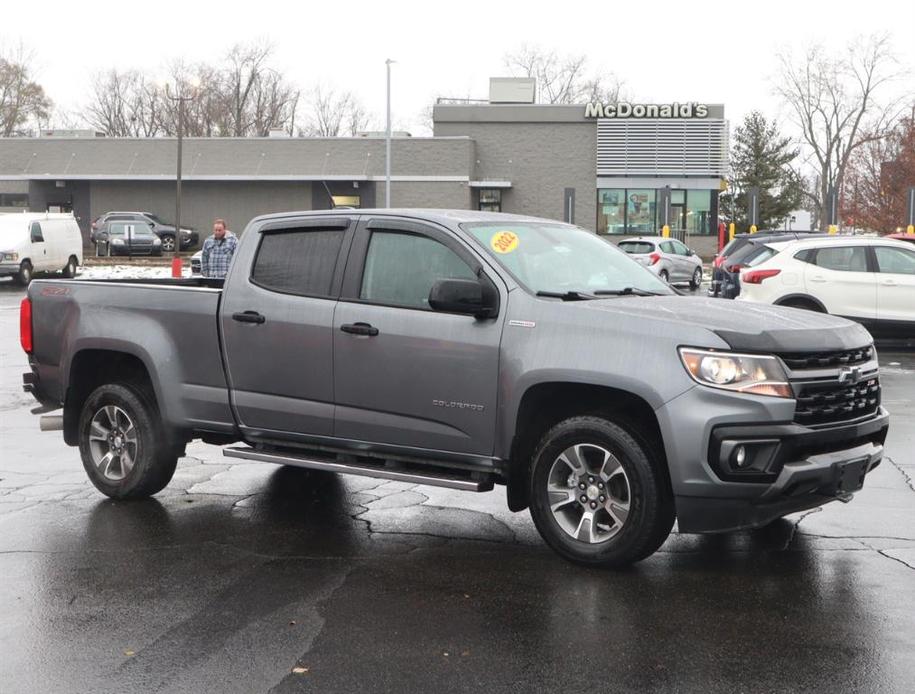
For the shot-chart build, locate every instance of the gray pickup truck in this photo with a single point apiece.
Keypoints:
(466, 349)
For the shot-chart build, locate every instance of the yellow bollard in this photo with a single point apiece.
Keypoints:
(910, 229)
(665, 231)
(732, 229)
(752, 228)
(833, 229)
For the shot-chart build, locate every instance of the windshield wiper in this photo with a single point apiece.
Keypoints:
(568, 296)
(627, 291)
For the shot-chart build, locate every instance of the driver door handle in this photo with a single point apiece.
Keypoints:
(359, 329)
(889, 283)
(249, 317)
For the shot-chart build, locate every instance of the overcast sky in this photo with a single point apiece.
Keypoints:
(663, 51)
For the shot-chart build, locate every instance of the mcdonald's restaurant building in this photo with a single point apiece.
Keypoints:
(616, 169)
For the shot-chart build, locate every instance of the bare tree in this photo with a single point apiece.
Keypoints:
(562, 79)
(124, 104)
(834, 102)
(22, 100)
(335, 113)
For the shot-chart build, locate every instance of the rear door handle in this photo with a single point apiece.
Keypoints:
(249, 317)
(818, 278)
(359, 329)
(889, 283)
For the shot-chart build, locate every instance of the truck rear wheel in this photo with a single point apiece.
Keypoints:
(596, 496)
(121, 442)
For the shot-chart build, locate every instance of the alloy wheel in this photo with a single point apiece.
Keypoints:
(589, 493)
(113, 442)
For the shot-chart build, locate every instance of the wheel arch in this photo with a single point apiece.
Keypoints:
(547, 403)
(89, 368)
(781, 301)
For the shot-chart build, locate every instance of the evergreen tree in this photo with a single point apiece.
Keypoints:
(761, 158)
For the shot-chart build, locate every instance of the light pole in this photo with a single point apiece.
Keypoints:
(179, 98)
(387, 143)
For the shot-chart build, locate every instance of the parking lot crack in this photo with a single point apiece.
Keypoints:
(908, 480)
(896, 559)
(794, 527)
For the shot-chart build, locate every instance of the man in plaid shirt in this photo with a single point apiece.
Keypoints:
(218, 251)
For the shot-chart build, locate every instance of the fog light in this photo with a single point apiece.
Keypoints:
(740, 456)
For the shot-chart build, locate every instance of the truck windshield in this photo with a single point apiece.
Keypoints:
(563, 258)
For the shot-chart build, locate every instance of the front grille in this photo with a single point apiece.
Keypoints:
(820, 360)
(827, 403)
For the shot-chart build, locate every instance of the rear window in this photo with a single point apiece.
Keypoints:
(759, 256)
(636, 247)
(298, 262)
(732, 246)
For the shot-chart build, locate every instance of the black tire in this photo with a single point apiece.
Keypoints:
(154, 458)
(651, 509)
(696, 281)
(71, 266)
(168, 243)
(664, 276)
(24, 277)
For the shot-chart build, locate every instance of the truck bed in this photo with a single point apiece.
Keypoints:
(170, 325)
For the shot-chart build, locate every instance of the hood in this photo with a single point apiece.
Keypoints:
(743, 325)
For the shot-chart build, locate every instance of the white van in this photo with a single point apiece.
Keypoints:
(33, 242)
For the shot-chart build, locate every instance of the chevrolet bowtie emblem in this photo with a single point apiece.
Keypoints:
(849, 375)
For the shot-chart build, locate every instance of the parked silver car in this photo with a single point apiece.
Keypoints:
(669, 259)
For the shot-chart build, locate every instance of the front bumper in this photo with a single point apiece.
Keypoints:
(9, 269)
(799, 467)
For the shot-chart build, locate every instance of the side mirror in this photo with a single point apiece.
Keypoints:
(461, 296)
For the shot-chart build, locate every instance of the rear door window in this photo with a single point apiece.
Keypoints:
(668, 247)
(298, 262)
(636, 247)
(680, 248)
(842, 259)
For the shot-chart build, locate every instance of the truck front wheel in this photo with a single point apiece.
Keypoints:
(596, 496)
(122, 444)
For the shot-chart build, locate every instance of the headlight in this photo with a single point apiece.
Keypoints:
(157, 241)
(744, 373)
(10, 256)
(117, 242)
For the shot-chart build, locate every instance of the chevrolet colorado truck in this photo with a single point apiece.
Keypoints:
(466, 349)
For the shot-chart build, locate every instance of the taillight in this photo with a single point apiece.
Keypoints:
(94, 225)
(734, 268)
(757, 276)
(25, 325)
(654, 258)
(719, 261)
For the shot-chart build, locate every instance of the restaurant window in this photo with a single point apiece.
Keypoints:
(698, 212)
(640, 211)
(346, 200)
(490, 200)
(611, 211)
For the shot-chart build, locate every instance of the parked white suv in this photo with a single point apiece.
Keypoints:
(870, 280)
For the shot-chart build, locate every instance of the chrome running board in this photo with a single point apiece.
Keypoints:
(397, 471)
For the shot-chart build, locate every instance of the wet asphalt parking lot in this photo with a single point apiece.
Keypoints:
(253, 578)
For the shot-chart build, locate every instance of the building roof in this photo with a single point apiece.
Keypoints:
(251, 158)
